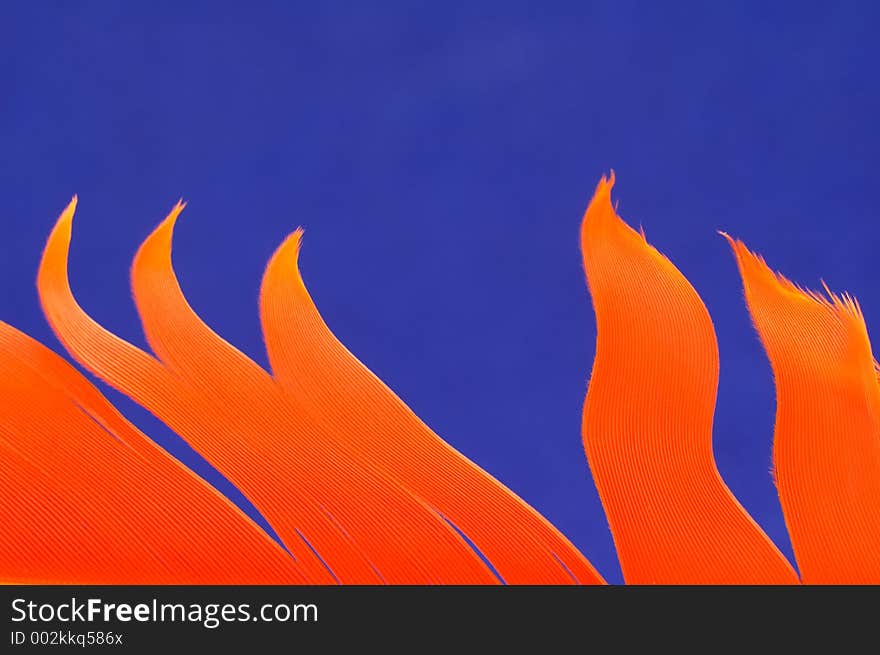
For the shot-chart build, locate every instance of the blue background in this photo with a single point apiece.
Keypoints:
(440, 158)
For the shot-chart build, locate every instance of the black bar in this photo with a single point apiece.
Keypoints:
(424, 618)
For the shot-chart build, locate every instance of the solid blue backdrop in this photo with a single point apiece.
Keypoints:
(440, 158)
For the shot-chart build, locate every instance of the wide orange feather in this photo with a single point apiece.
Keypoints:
(826, 449)
(85, 498)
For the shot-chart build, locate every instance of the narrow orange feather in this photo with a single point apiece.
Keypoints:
(647, 422)
(358, 410)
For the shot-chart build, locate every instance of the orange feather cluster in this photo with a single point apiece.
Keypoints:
(359, 490)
